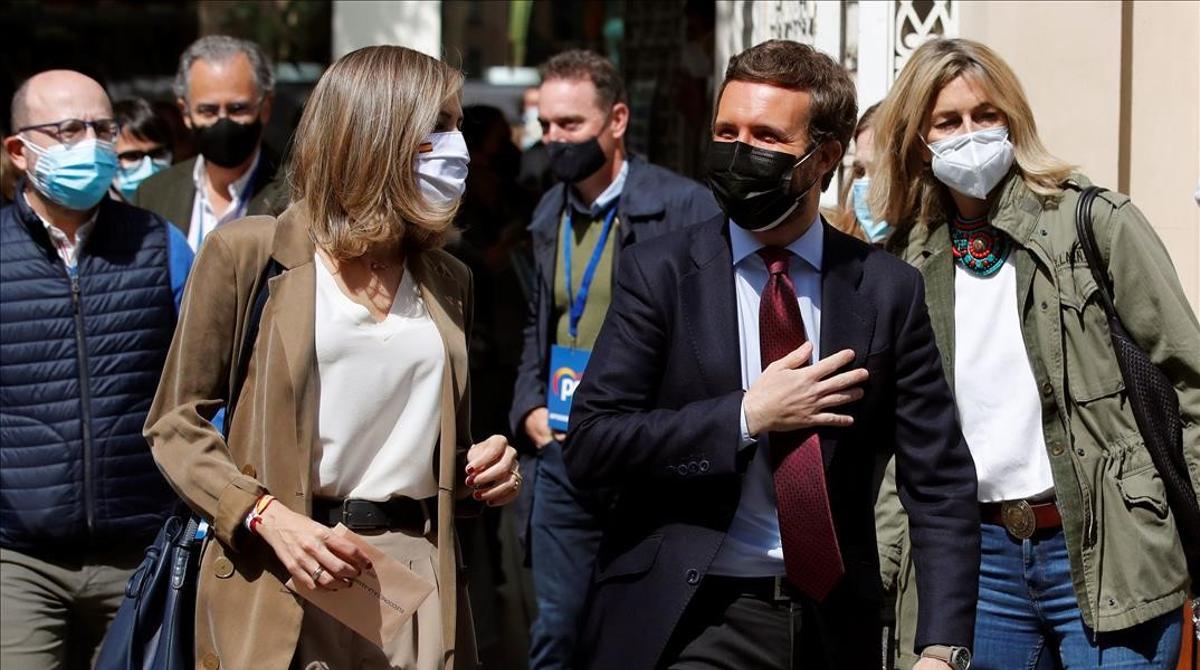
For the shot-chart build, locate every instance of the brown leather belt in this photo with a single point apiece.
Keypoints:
(414, 516)
(1021, 518)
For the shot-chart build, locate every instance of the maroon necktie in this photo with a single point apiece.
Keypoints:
(811, 555)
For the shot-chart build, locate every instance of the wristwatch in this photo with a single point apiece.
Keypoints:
(958, 658)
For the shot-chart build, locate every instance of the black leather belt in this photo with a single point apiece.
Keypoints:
(356, 514)
(769, 589)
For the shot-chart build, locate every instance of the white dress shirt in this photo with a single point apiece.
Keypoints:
(752, 546)
(67, 250)
(996, 392)
(380, 399)
(204, 220)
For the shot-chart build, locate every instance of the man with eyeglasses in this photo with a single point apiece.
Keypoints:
(224, 88)
(89, 295)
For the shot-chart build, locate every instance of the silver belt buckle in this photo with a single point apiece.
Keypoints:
(781, 594)
(1018, 518)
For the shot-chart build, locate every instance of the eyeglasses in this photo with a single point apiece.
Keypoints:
(238, 111)
(71, 131)
(135, 156)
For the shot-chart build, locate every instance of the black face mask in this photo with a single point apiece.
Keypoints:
(227, 143)
(754, 186)
(572, 162)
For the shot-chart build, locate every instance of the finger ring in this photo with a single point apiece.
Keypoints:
(316, 574)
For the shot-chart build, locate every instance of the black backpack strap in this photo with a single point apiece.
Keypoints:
(1091, 250)
(253, 318)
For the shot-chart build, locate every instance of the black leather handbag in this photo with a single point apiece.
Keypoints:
(155, 627)
(1151, 395)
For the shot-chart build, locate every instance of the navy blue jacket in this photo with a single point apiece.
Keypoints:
(657, 416)
(654, 201)
(80, 358)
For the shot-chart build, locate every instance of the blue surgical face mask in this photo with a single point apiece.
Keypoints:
(128, 179)
(876, 230)
(75, 176)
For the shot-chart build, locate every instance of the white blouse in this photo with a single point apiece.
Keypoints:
(380, 395)
(998, 401)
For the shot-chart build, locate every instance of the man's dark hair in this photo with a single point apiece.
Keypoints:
(583, 64)
(138, 118)
(834, 109)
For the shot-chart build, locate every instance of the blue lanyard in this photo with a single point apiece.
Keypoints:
(579, 301)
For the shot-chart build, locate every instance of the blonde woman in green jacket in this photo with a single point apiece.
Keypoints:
(1082, 565)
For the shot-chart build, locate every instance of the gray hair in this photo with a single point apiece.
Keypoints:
(221, 48)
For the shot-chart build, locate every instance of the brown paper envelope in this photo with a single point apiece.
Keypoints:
(380, 600)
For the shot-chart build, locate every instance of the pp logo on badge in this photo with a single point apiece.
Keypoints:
(564, 383)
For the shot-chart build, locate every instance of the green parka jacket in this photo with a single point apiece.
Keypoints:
(1127, 563)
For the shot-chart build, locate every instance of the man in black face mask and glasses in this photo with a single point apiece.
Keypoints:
(224, 87)
(606, 201)
(750, 382)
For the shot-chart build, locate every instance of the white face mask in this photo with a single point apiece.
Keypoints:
(974, 163)
(442, 171)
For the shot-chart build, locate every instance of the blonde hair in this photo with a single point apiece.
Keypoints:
(903, 188)
(353, 159)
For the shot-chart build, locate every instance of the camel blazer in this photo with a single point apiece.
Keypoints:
(245, 617)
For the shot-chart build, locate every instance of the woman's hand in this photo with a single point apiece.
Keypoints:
(492, 471)
(311, 552)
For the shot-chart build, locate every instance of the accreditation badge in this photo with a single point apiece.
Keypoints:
(566, 371)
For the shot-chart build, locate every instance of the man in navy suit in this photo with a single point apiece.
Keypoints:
(753, 375)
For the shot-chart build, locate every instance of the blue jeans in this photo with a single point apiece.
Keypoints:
(1029, 618)
(564, 538)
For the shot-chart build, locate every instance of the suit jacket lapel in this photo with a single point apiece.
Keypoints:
(178, 208)
(709, 305)
(847, 318)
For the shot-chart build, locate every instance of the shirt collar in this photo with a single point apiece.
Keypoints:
(810, 246)
(238, 187)
(57, 234)
(605, 198)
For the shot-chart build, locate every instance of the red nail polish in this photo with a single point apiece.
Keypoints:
(478, 495)
(470, 470)
(471, 480)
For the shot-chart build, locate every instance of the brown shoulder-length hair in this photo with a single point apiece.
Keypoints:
(353, 162)
(903, 189)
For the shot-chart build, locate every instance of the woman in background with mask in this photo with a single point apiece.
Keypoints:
(1082, 565)
(143, 147)
(854, 216)
(355, 408)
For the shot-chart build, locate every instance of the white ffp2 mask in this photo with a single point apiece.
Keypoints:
(442, 168)
(974, 163)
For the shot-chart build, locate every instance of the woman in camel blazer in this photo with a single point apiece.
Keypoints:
(355, 406)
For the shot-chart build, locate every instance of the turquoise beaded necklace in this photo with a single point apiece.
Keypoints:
(978, 246)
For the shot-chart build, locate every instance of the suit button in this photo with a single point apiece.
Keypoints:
(693, 576)
(1047, 389)
(223, 567)
(704, 465)
(210, 661)
(693, 468)
(249, 470)
(1057, 450)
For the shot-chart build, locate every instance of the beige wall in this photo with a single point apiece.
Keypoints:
(1068, 56)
